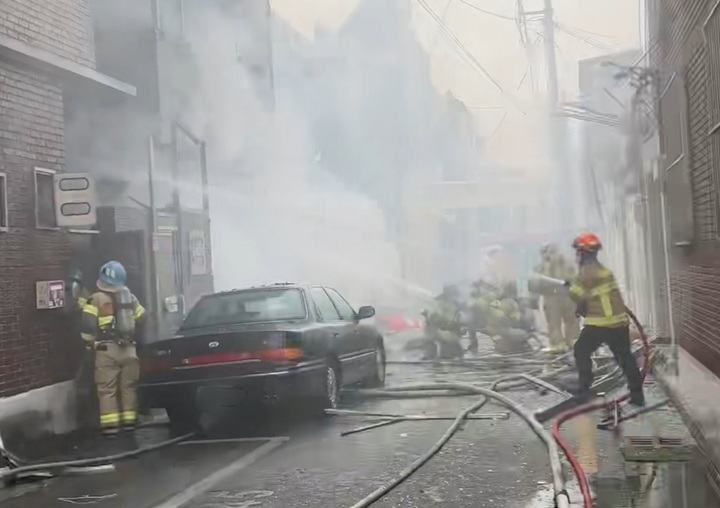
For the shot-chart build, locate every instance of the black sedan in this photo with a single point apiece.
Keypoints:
(276, 342)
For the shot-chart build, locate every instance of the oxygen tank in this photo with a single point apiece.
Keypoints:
(124, 320)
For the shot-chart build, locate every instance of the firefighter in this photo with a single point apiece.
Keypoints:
(108, 326)
(443, 325)
(600, 303)
(507, 325)
(559, 310)
(481, 296)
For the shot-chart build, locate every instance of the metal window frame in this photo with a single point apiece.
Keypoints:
(4, 196)
(45, 172)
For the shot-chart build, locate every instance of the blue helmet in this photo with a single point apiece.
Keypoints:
(112, 274)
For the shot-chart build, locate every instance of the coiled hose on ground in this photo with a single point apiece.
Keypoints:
(561, 497)
(516, 380)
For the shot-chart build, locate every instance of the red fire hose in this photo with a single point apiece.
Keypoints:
(573, 413)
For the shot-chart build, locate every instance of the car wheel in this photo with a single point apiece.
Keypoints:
(184, 417)
(331, 386)
(377, 378)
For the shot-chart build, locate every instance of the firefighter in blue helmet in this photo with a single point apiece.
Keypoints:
(108, 325)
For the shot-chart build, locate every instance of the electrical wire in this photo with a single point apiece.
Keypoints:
(459, 46)
(489, 13)
(584, 38)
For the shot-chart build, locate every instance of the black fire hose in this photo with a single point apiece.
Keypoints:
(10, 475)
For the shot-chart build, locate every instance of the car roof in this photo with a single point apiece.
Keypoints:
(274, 285)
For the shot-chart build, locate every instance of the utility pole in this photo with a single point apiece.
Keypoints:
(557, 129)
(551, 62)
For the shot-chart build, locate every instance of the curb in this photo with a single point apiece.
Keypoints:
(670, 386)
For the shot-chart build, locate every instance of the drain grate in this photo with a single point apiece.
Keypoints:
(656, 449)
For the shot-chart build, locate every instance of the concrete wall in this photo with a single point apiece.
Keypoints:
(30, 415)
(36, 347)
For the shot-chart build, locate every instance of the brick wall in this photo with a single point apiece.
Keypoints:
(35, 347)
(62, 27)
(678, 44)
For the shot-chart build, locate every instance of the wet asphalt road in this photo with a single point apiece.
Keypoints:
(306, 463)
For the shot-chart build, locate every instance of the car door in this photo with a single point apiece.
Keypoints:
(360, 337)
(332, 322)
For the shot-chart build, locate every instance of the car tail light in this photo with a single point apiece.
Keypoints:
(151, 365)
(265, 355)
(280, 355)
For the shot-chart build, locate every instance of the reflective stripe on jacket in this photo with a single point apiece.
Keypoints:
(98, 315)
(597, 287)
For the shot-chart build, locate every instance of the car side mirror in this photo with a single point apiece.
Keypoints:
(365, 312)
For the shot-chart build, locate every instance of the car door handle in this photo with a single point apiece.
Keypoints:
(335, 334)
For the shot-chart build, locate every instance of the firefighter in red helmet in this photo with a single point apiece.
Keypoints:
(605, 321)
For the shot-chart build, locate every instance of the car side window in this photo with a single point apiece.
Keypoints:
(346, 311)
(324, 305)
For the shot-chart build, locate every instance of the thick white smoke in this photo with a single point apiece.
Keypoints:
(275, 215)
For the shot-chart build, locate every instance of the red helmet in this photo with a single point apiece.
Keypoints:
(587, 242)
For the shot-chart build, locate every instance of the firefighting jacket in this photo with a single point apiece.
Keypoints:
(98, 317)
(596, 289)
(504, 316)
(444, 316)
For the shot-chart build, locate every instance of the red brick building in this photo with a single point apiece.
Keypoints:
(46, 56)
(684, 56)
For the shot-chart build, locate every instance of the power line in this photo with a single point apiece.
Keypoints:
(446, 11)
(584, 38)
(490, 13)
(459, 45)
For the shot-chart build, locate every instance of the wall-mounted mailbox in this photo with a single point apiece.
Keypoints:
(50, 294)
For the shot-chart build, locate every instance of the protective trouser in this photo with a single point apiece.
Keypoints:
(449, 346)
(563, 324)
(117, 369)
(618, 340)
(511, 340)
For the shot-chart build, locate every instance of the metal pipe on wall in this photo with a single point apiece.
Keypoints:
(155, 285)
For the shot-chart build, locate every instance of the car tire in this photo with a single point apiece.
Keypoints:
(377, 379)
(184, 417)
(331, 384)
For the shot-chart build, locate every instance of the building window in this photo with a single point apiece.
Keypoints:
(45, 199)
(3, 203)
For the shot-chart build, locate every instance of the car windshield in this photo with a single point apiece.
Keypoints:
(250, 306)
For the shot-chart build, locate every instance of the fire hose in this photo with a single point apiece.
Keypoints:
(588, 408)
(560, 494)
